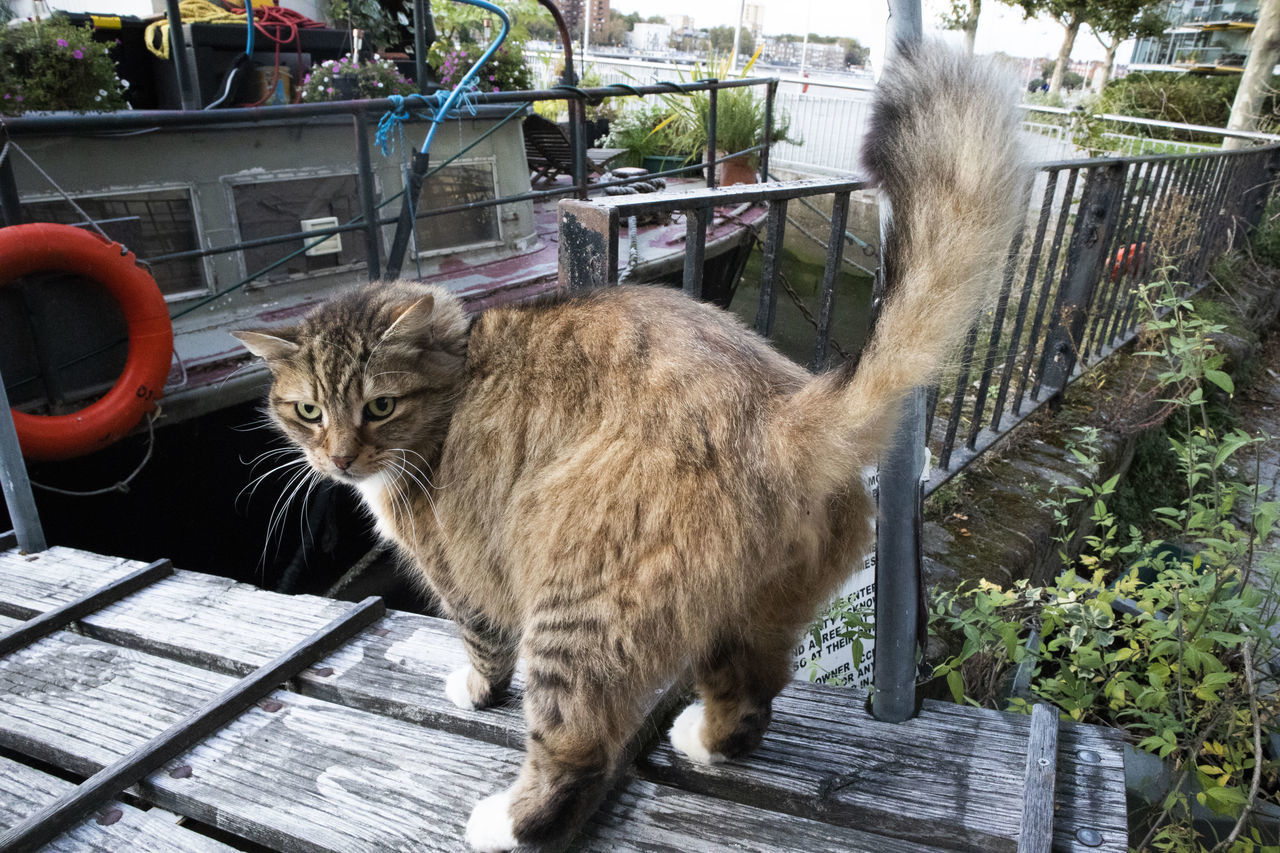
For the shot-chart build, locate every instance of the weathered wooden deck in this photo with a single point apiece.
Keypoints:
(363, 752)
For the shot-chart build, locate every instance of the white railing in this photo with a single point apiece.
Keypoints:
(830, 116)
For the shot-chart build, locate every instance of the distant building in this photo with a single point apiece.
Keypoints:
(753, 19)
(679, 23)
(824, 57)
(1203, 37)
(649, 37)
(599, 18)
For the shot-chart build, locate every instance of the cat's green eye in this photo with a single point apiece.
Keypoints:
(379, 408)
(309, 412)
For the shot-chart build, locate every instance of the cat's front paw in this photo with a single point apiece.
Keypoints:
(686, 735)
(490, 828)
(458, 688)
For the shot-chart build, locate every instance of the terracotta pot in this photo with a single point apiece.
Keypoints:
(736, 170)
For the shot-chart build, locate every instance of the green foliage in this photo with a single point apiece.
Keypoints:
(385, 23)
(55, 65)
(1183, 98)
(374, 78)
(1154, 632)
(1266, 240)
(645, 130)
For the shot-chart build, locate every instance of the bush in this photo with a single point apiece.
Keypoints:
(505, 71)
(1183, 98)
(55, 65)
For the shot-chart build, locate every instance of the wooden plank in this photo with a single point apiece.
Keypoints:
(948, 779)
(109, 829)
(951, 777)
(51, 620)
(293, 773)
(1036, 835)
(397, 668)
(217, 712)
(644, 817)
(1092, 813)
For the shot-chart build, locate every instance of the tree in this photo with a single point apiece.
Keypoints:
(1115, 21)
(854, 52)
(963, 16)
(1071, 15)
(1264, 51)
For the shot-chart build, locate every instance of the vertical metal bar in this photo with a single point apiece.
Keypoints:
(578, 140)
(1033, 337)
(899, 518)
(1108, 283)
(178, 55)
(10, 204)
(16, 486)
(957, 399)
(364, 176)
(775, 225)
(408, 214)
(712, 109)
(835, 254)
(1155, 202)
(997, 328)
(1092, 235)
(1123, 272)
(770, 93)
(1033, 263)
(424, 34)
(695, 248)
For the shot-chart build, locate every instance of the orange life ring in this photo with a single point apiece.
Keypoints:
(45, 247)
(1128, 259)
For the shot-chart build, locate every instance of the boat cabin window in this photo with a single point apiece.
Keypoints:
(150, 224)
(462, 182)
(274, 208)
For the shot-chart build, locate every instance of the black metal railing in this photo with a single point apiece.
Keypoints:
(1097, 231)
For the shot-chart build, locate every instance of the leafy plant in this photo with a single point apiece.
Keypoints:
(55, 65)
(645, 131)
(1156, 635)
(348, 77)
(505, 71)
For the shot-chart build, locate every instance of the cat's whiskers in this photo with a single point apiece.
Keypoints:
(252, 486)
(264, 421)
(425, 464)
(281, 507)
(408, 469)
(398, 499)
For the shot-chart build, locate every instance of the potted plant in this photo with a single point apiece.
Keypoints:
(650, 138)
(54, 65)
(350, 78)
(739, 124)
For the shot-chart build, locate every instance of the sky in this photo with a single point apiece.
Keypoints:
(1000, 28)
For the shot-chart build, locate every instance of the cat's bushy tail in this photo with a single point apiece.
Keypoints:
(944, 148)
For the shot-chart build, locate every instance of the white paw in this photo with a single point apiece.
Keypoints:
(489, 829)
(455, 687)
(686, 735)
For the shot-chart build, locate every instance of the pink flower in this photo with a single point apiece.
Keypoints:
(62, 42)
(77, 53)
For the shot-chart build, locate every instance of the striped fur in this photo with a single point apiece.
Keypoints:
(626, 485)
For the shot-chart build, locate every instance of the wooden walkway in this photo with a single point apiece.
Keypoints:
(363, 752)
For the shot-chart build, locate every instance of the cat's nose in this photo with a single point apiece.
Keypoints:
(343, 462)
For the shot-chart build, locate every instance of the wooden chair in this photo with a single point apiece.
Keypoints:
(549, 154)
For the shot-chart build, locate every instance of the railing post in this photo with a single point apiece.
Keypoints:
(898, 583)
(16, 486)
(712, 109)
(178, 54)
(424, 35)
(588, 245)
(10, 204)
(364, 175)
(771, 91)
(1095, 222)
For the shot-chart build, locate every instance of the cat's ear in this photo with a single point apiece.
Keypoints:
(273, 346)
(415, 322)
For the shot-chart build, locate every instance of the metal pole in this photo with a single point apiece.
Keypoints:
(737, 36)
(712, 109)
(16, 486)
(372, 233)
(178, 53)
(771, 91)
(424, 35)
(10, 204)
(898, 584)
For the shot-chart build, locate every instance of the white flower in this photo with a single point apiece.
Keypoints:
(102, 93)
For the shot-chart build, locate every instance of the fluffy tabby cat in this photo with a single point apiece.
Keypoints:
(625, 485)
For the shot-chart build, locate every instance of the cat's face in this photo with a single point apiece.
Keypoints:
(365, 385)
